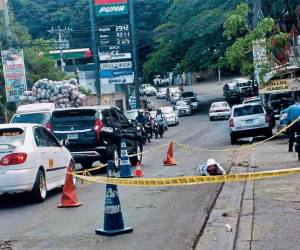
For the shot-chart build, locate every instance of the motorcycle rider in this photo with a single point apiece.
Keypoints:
(160, 117)
(141, 118)
(211, 168)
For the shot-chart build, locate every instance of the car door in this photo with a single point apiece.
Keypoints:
(45, 155)
(57, 164)
(115, 124)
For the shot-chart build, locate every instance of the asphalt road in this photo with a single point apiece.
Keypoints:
(162, 218)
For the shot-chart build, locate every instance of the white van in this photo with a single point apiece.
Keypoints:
(39, 113)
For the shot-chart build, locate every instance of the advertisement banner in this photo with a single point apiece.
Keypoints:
(111, 9)
(14, 74)
(280, 85)
(116, 65)
(116, 72)
(107, 56)
(118, 80)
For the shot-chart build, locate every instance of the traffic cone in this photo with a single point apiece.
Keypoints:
(125, 166)
(170, 160)
(69, 196)
(113, 219)
(138, 170)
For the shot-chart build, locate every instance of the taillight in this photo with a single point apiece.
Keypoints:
(231, 123)
(48, 126)
(13, 159)
(98, 126)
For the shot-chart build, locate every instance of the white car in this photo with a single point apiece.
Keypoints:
(171, 115)
(249, 121)
(31, 160)
(219, 110)
(161, 93)
(184, 107)
(147, 89)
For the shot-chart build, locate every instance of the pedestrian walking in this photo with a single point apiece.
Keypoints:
(293, 113)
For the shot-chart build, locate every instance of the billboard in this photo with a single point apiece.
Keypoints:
(14, 74)
(111, 7)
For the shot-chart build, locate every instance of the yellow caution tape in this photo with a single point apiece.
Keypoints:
(190, 180)
(237, 148)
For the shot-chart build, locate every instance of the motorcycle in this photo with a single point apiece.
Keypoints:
(145, 132)
(158, 129)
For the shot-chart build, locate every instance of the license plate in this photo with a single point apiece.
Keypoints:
(182, 112)
(72, 136)
(249, 122)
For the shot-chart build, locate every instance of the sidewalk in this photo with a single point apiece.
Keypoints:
(263, 214)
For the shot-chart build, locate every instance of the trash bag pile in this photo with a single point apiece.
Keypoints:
(62, 93)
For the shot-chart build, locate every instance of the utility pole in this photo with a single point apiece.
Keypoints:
(7, 32)
(134, 52)
(62, 43)
(94, 49)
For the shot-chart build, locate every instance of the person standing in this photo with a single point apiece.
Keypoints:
(293, 113)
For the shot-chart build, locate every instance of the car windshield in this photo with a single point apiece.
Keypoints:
(167, 110)
(131, 115)
(219, 105)
(39, 118)
(248, 110)
(187, 94)
(12, 136)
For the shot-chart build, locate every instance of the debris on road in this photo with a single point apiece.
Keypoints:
(7, 245)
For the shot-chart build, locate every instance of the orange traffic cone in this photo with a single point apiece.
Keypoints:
(69, 196)
(170, 160)
(138, 170)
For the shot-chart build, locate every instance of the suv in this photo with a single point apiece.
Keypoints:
(94, 133)
(248, 121)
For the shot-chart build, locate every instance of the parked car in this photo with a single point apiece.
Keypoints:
(175, 97)
(161, 93)
(38, 113)
(147, 89)
(249, 121)
(194, 102)
(161, 81)
(184, 107)
(94, 133)
(219, 110)
(32, 160)
(171, 115)
(172, 92)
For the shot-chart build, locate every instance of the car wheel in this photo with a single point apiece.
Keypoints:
(87, 164)
(138, 158)
(166, 128)
(233, 139)
(39, 191)
(211, 118)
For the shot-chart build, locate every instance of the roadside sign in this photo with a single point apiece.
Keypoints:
(116, 72)
(107, 56)
(111, 9)
(116, 65)
(128, 79)
(14, 74)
